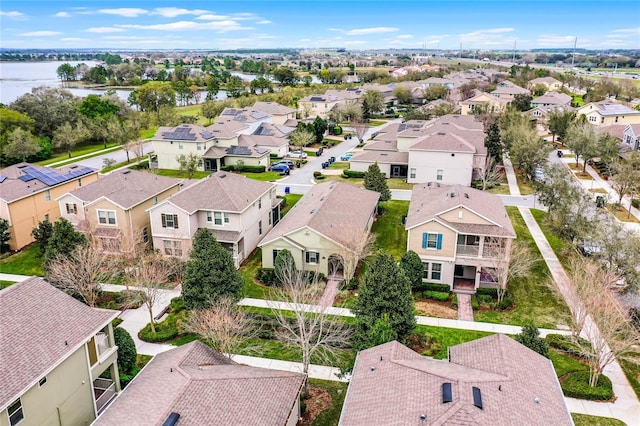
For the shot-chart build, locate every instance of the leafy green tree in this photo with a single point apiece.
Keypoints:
(66, 72)
(319, 127)
(385, 289)
(374, 180)
(127, 353)
(522, 102)
(435, 92)
(189, 163)
(64, 239)
(67, 136)
(49, 108)
(530, 337)
(372, 103)
(285, 76)
(582, 139)
(97, 106)
(213, 87)
(412, 266)
(402, 94)
(282, 266)
(379, 333)
(10, 120)
(235, 86)
(5, 235)
(153, 96)
(211, 109)
(21, 144)
(492, 142)
(42, 233)
(526, 149)
(559, 122)
(300, 138)
(539, 90)
(210, 272)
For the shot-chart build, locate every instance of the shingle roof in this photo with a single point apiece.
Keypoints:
(608, 107)
(430, 200)
(382, 157)
(548, 80)
(205, 388)
(40, 326)
(553, 98)
(126, 188)
(393, 385)
(254, 140)
(336, 210)
(221, 191)
(23, 179)
(273, 108)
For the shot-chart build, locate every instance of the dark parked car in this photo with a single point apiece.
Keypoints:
(288, 163)
(280, 168)
(319, 152)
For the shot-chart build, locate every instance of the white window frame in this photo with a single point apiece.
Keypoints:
(172, 247)
(259, 227)
(107, 218)
(434, 242)
(316, 257)
(72, 208)
(412, 173)
(19, 409)
(209, 216)
(47, 195)
(439, 174)
(433, 271)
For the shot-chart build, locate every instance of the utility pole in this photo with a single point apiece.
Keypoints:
(460, 54)
(513, 59)
(573, 57)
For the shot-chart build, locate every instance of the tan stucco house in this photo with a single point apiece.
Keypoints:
(115, 206)
(329, 222)
(28, 195)
(194, 385)
(609, 113)
(631, 136)
(321, 105)
(54, 350)
(486, 101)
(279, 113)
(240, 212)
(458, 233)
(550, 83)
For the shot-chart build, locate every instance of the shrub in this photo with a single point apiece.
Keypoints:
(337, 130)
(504, 304)
(434, 287)
(266, 276)
(352, 284)
(474, 302)
(165, 331)
(318, 175)
(530, 337)
(634, 315)
(636, 203)
(127, 354)
(564, 344)
(347, 173)
(454, 300)
(484, 299)
(493, 292)
(243, 168)
(576, 385)
(436, 295)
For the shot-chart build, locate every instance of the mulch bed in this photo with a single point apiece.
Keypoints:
(317, 400)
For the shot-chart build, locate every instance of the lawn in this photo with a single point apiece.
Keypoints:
(587, 420)
(248, 271)
(389, 229)
(564, 364)
(25, 262)
(449, 337)
(392, 183)
(621, 214)
(535, 296)
(265, 176)
(631, 368)
(5, 284)
(526, 188)
(339, 165)
(148, 133)
(180, 173)
(132, 161)
(330, 415)
(80, 151)
(291, 200)
(502, 189)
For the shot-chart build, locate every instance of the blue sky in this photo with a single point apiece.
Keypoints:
(159, 24)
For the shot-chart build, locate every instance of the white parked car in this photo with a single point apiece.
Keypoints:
(297, 154)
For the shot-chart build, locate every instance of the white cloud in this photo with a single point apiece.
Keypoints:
(628, 30)
(264, 22)
(62, 15)
(218, 26)
(213, 17)
(552, 40)
(13, 14)
(404, 36)
(40, 33)
(258, 40)
(172, 12)
(127, 12)
(373, 30)
(354, 42)
(102, 30)
(74, 39)
(488, 37)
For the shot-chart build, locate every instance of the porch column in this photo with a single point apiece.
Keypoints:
(481, 247)
(477, 283)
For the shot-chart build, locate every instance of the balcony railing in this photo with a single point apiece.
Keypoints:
(104, 390)
(468, 250)
(102, 342)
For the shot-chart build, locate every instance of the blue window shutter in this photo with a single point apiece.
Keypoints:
(439, 243)
(424, 240)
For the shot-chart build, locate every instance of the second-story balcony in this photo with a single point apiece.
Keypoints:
(467, 250)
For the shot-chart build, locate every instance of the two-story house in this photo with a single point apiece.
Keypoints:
(485, 102)
(631, 136)
(28, 195)
(608, 113)
(54, 351)
(550, 83)
(115, 206)
(322, 104)
(327, 225)
(507, 91)
(240, 212)
(279, 113)
(459, 233)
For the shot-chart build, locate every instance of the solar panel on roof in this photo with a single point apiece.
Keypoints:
(2, 178)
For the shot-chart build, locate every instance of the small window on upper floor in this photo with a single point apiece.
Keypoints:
(47, 195)
(42, 381)
(79, 182)
(16, 415)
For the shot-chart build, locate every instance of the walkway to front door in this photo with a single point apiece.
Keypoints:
(465, 312)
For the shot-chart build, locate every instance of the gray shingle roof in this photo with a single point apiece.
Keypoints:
(273, 108)
(392, 385)
(205, 388)
(126, 188)
(382, 157)
(429, 200)
(40, 326)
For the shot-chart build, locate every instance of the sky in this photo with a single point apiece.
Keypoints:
(184, 24)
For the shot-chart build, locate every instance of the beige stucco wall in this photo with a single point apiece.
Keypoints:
(67, 396)
(248, 161)
(24, 214)
(449, 237)
(456, 170)
(594, 117)
(281, 119)
(73, 218)
(463, 215)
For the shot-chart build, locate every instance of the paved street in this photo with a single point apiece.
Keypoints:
(97, 162)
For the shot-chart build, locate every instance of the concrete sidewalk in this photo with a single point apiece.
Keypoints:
(315, 371)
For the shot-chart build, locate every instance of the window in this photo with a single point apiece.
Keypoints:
(169, 220)
(71, 208)
(199, 146)
(145, 235)
(270, 214)
(155, 200)
(413, 173)
(209, 216)
(107, 217)
(275, 254)
(79, 182)
(180, 145)
(425, 272)
(260, 203)
(47, 195)
(172, 247)
(15, 412)
(46, 217)
(312, 257)
(259, 227)
(220, 218)
(436, 271)
(432, 241)
(439, 175)
(42, 381)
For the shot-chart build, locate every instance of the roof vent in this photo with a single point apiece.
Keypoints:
(126, 172)
(477, 397)
(440, 134)
(223, 175)
(313, 211)
(429, 184)
(453, 195)
(171, 420)
(373, 369)
(423, 417)
(466, 195)
(446, 393)
(536, 400)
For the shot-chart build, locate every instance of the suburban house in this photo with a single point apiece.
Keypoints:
(115, 206)
(463, 235)
(631, 136)
(449, 149)
(279, 113)
(608, 112)
(484, 101)
(507, 90)
(328, 224)
(552, 99)
(54, 351)
(28, 195)
(550, 83)
(489, 381)
(331, 100)
(194, 385)
(240, 212)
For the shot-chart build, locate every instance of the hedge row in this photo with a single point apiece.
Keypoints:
(267, 276)
(243, 168)
(347, 173)
(440, 296)
(576, 385)
(433, 287)
(563, 343)
(493, 292)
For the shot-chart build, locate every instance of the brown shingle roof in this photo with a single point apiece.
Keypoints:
(205, 388)
(40, 326)
(392, 385)
(222, 191)
(382, 157)
(336, 210)
(429, 200)
(126, 188)
(273, 108)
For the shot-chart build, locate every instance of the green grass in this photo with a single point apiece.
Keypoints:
(339, 165)
(564, 364)
(632, 371)
(5, 284)
(248, 271)
(132, 161)
(392, 183)
(376, 123)
(577, 100)
(80, 151)
(265, 177)
(502, 189)
(180, 173)
(535, 296)
(389, 230)
(449, 337)
(561, 247)
(587, 420)
(292, 199)
(25, 262)
(148, 133)
(142, 360)
(525, 186)
(330, 416)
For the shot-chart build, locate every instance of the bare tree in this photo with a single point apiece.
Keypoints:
(189, 163)
(492, 173)
(509, 260)
(81, 272)
(310, 327)
(138, 149)
(223, 325)
(361, 127)
(351, 258)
